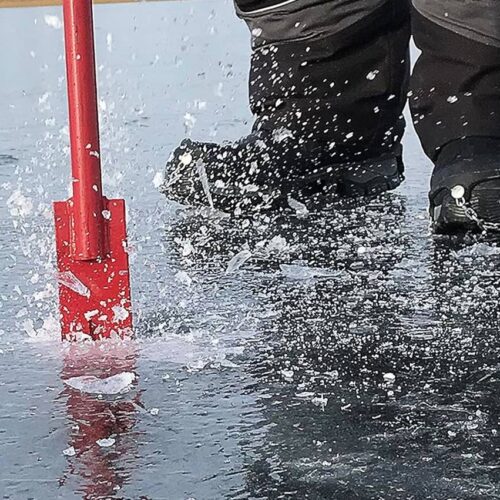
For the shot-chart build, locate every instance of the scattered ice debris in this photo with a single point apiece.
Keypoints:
(300, 208)
(53, 21)
(238, 260)
(165, 377)
(372, 74)
(69, 452)
(302, 272)
(202, 172)
(183, 278)
(320, 401)
(477, 250)
(389, 378)
(116, 384)
(452, 99)
(154, 411)
(69, 280)
(106, 442)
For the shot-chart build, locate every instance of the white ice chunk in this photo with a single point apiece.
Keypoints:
(189, 122)
(69, 452)
(197, 365)
(106, 443)
(186, 247)
(158, 179)
(320, 401)
(109, 42)
(478, 250)
(305, 395)
(19, 205)
(183, 277)
(116, 384)
(300, 208)
(287, 375)
(53, 21)
(90, 314)
(119, 314)
(29, 328)
(282, 133)
(69, 280)
(301, 272)
(389, 378)
(237, 261)
(186, 158)
(202, 172)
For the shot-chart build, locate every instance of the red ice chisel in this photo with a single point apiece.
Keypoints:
(91, 235)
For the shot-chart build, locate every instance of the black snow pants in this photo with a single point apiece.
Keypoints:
(340, 69)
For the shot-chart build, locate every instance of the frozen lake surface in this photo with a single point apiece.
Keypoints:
(341, 355)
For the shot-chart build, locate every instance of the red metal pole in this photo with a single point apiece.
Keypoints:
(88, 235)
(92, 259)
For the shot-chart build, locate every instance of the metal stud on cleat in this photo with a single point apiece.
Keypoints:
(458, 192)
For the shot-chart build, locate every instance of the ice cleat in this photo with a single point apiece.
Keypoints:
(265, 169)
(465, 187)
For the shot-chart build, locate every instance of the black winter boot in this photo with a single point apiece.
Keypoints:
(267, 169)
(465, 186)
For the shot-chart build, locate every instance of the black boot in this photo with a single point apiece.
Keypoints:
(327, 87)
(265, 169)
(465, 186)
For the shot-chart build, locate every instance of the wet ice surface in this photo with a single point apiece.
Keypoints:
(346, 354)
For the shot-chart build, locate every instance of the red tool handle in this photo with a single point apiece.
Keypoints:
(88, 235)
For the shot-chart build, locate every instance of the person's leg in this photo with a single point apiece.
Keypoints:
(328, 83)
(455, 104)
(333, 70)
